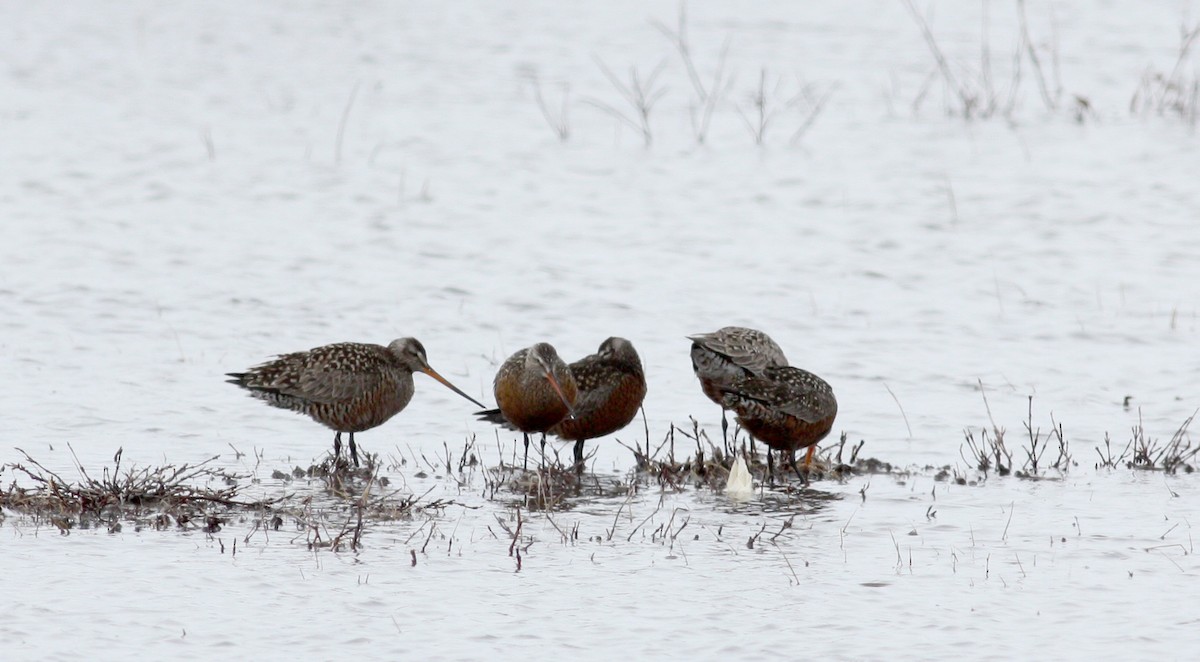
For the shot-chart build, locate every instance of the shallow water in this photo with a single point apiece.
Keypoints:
(1009, 568)
(177, 204)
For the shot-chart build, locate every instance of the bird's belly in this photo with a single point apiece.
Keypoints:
(613, 414)
(536, 419)
(532, 407)
(361, 413)
(533, 412)
(783, 432)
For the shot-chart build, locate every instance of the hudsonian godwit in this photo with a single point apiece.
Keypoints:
(733, 352)
(786, 408)
(534, 391)
(347, 387)
(611, 385)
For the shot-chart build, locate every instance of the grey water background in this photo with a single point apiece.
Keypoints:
(188, 189)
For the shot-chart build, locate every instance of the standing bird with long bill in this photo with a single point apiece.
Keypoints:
(347, 387)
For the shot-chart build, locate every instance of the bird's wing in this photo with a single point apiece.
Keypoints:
(512, 366)
(807, 407)
(595, 379)
(784, 390)
(801, 394)
(754, 353)
(340, 372)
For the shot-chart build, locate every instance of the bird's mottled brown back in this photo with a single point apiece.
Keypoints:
(786, 408)
(349, 387)
(731, 353)
(611, 385)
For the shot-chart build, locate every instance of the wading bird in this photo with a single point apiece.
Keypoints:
(785, 408)
(728, 354)
(534, 391)
(347, 387)
(611, 388)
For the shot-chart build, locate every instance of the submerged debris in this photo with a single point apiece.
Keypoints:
(189, 496)
(551, 486)
(1142, 452)
(207, 498)
(710, 467)
(339, 501)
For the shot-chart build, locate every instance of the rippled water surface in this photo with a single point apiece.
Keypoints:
(187, 190)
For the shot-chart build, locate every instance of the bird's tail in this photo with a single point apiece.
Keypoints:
(238, 379)
(493, 416)
(269, 394)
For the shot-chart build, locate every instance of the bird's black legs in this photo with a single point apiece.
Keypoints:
(792, 460)
(770, 468)
(337, 448)
(724, 428)
(543, 450)
(579, 457)
(725, 434)
(525, 463)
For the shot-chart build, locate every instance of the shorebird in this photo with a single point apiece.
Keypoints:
(728, 354)
(785, 408)
(534, 391)
(347, 387)
(612, 385)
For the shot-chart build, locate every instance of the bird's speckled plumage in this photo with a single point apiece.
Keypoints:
(786, 408)
(612, 386)
(733, 352)
(347, 387)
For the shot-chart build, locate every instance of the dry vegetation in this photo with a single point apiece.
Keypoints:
(989, 452)
(207, 498)
(971, 90)
(710, 463)
(775, 101)
(332, 505)
(990, 83)
(184, 496)
(1175, 92)
(1141, 452)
